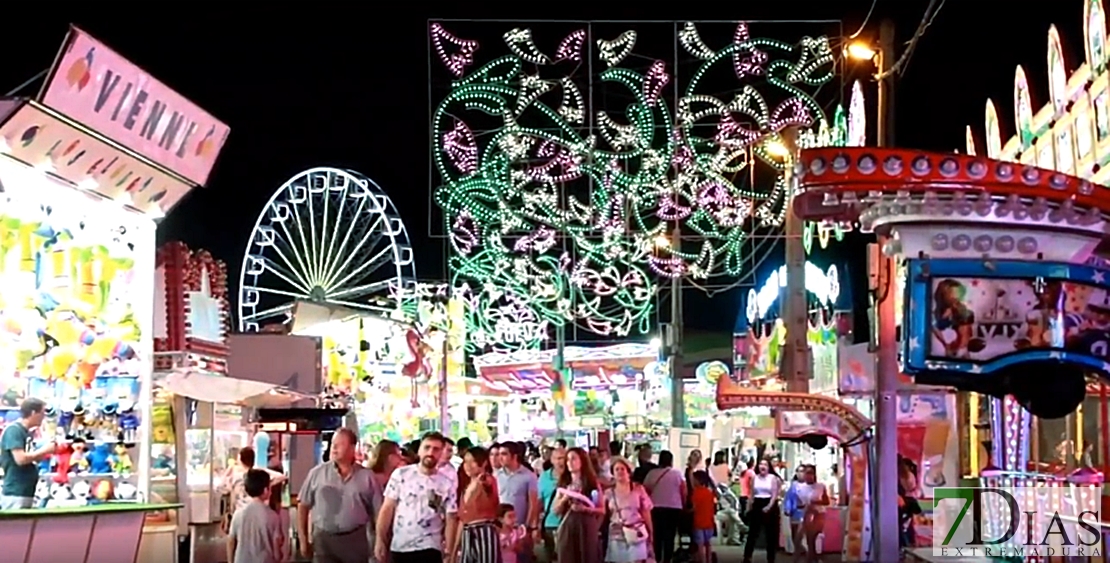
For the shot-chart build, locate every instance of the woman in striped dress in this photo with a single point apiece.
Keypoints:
(479, 541)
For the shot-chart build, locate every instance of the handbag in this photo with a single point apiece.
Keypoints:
(634, 534)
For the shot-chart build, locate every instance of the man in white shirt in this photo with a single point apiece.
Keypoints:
(419, 514)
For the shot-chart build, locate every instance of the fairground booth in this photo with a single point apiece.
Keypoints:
(87, 169)
(1009, 243)
(605, 391)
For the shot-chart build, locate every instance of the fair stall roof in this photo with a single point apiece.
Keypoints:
(229, 390)
(309, 318)
(528, 371)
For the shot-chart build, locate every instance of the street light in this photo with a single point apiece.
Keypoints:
(662, 241)
(884, 478)
(860, 51)
(776, 148)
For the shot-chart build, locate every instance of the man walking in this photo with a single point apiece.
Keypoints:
(519, 486)
(419, 515)
(338, 496)
(18, 461)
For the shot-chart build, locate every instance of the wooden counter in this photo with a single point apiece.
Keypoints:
(101, 533)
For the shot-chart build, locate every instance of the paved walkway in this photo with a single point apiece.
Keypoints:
(728, 554)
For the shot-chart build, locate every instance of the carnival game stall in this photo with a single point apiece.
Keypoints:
(601, 379)
(1069, 134)
(83, 187)
(984, 243)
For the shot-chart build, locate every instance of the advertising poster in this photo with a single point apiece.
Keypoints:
(980, 319)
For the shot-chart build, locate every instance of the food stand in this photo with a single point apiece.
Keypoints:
(87, 168)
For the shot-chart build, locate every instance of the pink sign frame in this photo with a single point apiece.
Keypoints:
(95, 86)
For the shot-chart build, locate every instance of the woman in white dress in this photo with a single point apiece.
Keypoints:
(813, 523)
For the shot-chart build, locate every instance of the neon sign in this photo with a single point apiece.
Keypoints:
(825, 286)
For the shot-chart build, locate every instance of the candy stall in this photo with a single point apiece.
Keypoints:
(87, 169)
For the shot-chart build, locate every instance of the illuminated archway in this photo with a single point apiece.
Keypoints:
(832, 418)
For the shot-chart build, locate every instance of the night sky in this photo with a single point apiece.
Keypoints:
(341, 85)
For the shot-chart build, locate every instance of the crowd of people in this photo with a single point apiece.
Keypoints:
(435, 500)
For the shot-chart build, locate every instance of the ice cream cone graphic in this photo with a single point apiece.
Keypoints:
(202, 146)
(80, 72)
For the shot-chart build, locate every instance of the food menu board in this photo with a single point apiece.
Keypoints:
(75, 301)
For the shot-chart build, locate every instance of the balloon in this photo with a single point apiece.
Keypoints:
(261, 450)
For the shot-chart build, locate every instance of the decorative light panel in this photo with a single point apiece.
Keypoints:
(560, 188)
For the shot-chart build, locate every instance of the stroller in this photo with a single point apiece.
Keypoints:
(732, 527)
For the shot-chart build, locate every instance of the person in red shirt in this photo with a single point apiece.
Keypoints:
(704, 501)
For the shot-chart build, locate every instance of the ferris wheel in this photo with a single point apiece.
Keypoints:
(329, 236)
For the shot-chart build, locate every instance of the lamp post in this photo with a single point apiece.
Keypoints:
(678, 403)
(884, 479)
(796, 363)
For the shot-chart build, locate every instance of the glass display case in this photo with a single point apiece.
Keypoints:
(201, 499)
(214, 434)
(163, 449)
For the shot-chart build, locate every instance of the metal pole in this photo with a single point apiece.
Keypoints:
(560, 372)
(885, 475)
(678, 404)
(444, 415)
(796, 365)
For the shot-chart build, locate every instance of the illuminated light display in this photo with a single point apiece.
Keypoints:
(1070, 133)
(824, 285)
(531, 371)
(328, 236)
(521, 235)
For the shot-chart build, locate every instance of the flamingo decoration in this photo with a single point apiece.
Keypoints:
(419, 366)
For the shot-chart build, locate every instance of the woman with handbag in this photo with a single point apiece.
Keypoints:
(578, 502)
(629, 508)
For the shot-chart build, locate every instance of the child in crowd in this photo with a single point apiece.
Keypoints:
(704, 500)
(512, 534)
(255, 534)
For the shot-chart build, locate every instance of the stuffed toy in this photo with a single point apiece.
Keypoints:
(121, 462)
(77, 460)
(99, 459)
(63, 458)
(129, 425)
(81, 491)
(126, 491)
(103, 491)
